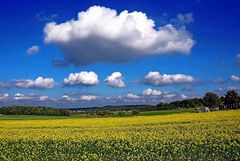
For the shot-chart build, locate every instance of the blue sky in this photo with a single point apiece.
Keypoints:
(203, 55)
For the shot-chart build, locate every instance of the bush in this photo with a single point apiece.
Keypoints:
(91, 113)
(135, 112)
(121, 113)
(104, 113)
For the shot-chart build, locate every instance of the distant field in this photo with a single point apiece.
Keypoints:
(30, 117)
(167, 112)
(115, 114)
(161, 112)
(186, 136)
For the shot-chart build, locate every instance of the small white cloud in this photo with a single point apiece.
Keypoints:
(33, 50)
(4, 85)
(82, 78)
(151, 92)
(183, 96)
(219, 89)
(40, 82)
(235, 78)
(18, 95)
(67, 98)
(169, 95)
(22, 97)
(87, 97)
(132, 96)
(115, 80)
(43, 98)
(154, 78)
(100, 34)
(4, 97)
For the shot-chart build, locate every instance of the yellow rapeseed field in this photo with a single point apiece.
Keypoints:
(196, 136)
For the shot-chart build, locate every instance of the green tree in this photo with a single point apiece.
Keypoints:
(211, 100)
(231, 99)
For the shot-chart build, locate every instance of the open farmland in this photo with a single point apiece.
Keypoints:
(204, 136)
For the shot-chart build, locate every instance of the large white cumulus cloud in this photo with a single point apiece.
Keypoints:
(115, 80)
(156, 79)
(39, 82)
(100, 34)
(82, 78)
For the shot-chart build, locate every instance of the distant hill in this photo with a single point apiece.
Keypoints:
(33, 110)
(116, 108)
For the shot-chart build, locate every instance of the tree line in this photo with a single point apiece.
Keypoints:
(33, 110)
(211, 100)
